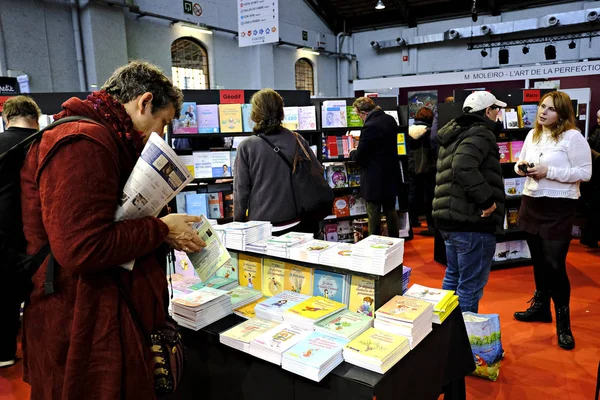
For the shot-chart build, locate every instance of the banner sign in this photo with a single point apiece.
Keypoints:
(258, 22)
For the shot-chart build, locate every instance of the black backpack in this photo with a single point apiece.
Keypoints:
(22, 267)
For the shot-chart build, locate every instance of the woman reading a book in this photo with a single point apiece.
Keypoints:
(555, 158)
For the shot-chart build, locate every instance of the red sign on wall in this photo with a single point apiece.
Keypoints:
(530, 96)
(2, 101)
(231, 96)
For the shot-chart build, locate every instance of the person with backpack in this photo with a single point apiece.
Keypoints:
(20, 116)
(85, 338)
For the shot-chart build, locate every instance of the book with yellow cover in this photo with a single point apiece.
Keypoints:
(315, 308)
(438, 297)
(375, 346)
(401, 144)
(250, 271)
(247, 311)
(403, 309)
(362, 295)
(298, 279)
(230, 118)
(273, 276)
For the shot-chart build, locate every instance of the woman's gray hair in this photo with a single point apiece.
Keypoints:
(138, 77)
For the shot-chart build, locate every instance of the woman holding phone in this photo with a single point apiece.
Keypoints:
(555, 158)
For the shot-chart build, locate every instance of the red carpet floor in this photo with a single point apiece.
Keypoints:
(534, 368)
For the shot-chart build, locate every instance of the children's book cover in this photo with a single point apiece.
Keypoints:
(249, 330)
(404, 309)
(376, 344)
(230, 268)
(353, 118)
(230, 117)
(341, 206)
(250, 271)
(438, 297)
(307, 118)
(290, 118)
(333, 114)
(329, 285)
(527, 115)
(247, 311)
(297, 279)
(199, 297)
(337, 177)
(273, 275)
(362, 295)
(208, 118)
(316, 308)
(281, 337)
(187, 121)
(282, 301)
(215, 282)
(183, 265)
(248, 124)
(316, 349)
(241, 294)
(345, 323)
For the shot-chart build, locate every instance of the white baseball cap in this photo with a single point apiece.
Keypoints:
(481, 100)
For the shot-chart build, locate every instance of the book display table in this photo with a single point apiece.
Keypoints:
(437, 365)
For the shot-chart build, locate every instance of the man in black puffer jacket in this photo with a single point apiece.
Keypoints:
(468, 207)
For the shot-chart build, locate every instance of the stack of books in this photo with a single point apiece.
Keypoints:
(239, 234)
(376, 350)
(315, 356)
(240, 336)
(273, 308)
(377, 254)
(339, 256)
(243, 295)
(202, 307)
(271, 345)
(406, 317)
(310, 251)
(306, 314)
(279, 246)
(247, 311)
(344, 324)
(332, 285)
(218, 282)
(406, 271)
(443, 301)
(259, 246)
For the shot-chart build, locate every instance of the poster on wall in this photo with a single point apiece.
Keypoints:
(417, 100)
(258, 22)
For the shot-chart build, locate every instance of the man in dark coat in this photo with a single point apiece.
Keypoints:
(20, 116)
(377, 157)
(468, 207)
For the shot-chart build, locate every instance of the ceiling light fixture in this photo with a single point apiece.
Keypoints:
(484, 53)
(525, 49)
(197, 28)
(310, 51)
(380, 5)
(550, 52)
(572, 45)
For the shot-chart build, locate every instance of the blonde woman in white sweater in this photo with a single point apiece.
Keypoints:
(555, 158)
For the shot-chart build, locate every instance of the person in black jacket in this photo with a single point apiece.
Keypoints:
(468, 207)
(20, 116)
(590, 193)
(377, 156)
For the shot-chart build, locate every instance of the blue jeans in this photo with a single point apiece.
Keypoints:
(470, 257)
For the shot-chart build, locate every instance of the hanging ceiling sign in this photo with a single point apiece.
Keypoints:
(258, 22)
(9, 85)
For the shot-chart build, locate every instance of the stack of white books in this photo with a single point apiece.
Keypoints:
(201, 308)
(220, 231)
(274, 307)
(271, 345)
(312, 310)
(243, 295)
(279, 246)
(310, 251)
(240, 336)
(376, 350)
(406, 317)
(344, 324)
(259, 246)
(239, 234)
(339, 256)
(443, 301)
(377, 254)
(315, 356)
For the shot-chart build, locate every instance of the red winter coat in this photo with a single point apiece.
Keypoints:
(80, 342)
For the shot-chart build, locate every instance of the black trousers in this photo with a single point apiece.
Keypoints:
(550, 267)
(420, 197)
(10, 306)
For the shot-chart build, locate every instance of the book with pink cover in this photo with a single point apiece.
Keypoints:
(504, 150)
(515, 150)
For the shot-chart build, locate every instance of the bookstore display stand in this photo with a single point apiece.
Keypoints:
(514, 98)
(437, 365)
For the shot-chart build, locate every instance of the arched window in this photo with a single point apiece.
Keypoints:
(189, 64)
(305, 76)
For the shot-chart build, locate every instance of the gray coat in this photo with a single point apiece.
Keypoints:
(262, 183)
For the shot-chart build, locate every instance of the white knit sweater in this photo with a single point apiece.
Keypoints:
(569, 162)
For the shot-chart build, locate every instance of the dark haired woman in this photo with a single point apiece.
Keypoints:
(561, 159)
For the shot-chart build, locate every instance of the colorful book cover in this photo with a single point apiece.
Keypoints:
(216, 282)
(337, 177)
(250, 271)
(213, 256)
(298, 279)
(341, 206)
(220, 162)
(230, 268)
(183, 265)
(199, 297)
(353, 118)
(183, 284)
(249, 330)
(283, 301)
(248, 124)
(511, 119)
(188, 161)
(273, 275)
(316, 308)
(187, 121)
(401, 143)
(362, 295)
(290, 118)
(403, 309)
(307, 118)
(353, 172)
(504, 150)
(202, 165)
(316, 349)
(345, 323)
(527, 115)
(510, 187)
(515, 150)
(331, 234)
(358, 205)
(329, 285)
(281, 337)
(215, 205)
(438, 297)
(511, 217)
(208, 118)
(241, 294)
(230, 117)
(227, 204)
(196, 204)
(247, 311)
(376, 344)
(333, 114)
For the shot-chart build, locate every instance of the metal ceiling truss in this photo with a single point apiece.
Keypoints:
(540, 39)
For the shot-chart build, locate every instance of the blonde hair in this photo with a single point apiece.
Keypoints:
(267, 111)
(566, 116)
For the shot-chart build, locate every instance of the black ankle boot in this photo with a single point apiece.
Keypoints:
(539, 311)
(563, 328)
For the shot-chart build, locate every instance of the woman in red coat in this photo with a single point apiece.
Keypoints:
(81, 342)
